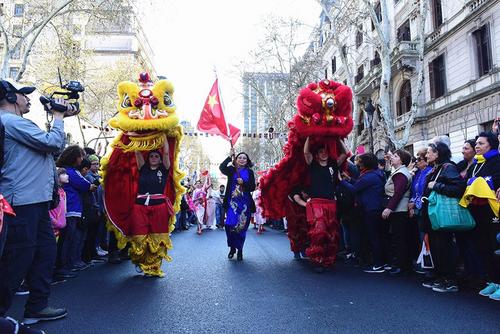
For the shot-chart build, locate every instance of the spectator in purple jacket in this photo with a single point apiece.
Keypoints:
(71, 158)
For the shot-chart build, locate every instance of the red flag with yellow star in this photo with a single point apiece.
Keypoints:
(212, 118)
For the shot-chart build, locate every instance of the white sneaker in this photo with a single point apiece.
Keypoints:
(101, 252)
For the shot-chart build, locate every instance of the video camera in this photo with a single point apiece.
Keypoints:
(73, 88)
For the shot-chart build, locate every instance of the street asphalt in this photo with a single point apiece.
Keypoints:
(268, 292)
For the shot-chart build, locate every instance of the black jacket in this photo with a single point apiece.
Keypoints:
(247, 186)
(449, 182)
(491, 168)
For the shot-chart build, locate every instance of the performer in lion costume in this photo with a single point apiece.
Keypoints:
(324, 114)
(148, 123)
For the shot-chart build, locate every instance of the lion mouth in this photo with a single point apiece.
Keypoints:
(147, 113)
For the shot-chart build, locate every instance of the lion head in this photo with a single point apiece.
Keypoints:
(324, 108)
(145, 106)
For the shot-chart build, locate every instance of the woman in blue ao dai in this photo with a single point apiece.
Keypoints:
(238, 201)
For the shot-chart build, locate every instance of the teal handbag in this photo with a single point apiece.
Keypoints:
(446, 214)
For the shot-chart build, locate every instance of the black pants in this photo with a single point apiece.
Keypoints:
(89, 250)
(378, 236)
(30, 254)
(3, 236)
(403, 239)
(484, 240)
(67, 244)
(444, 253)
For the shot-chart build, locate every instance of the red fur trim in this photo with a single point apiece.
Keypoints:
(292, 170)
(323, 232)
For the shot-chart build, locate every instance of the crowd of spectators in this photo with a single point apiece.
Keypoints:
(391, 229)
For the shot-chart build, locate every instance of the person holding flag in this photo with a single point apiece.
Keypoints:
(238, 201)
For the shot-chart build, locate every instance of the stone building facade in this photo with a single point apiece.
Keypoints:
(461, 92)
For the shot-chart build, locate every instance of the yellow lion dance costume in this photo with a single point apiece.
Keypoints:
(146, 118)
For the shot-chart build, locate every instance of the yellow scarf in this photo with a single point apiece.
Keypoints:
(480, 158)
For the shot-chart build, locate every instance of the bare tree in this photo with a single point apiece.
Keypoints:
(349, 15)
(22, 27)
(278, 69)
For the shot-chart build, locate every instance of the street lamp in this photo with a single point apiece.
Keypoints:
(370, 110)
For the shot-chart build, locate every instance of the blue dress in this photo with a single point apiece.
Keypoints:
(238, 212)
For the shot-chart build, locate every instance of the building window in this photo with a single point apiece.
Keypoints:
(18, 9)
(17, 31)
(404, 33)
(334, 65)
(483, 49)
(77, 30)
(359, 36)
(437, 77)
(404, 104)
(13, 71)
(361, 73)
(326, 73)
(344, 50)
(375, 61)
(487, 126)
(437, 13)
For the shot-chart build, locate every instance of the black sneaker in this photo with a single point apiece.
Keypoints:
(46, 314)
(80, 267)
(395, 271)
(432, 283)
(374, 270)
(23, 290)
(446, 286)
(66, 275)
(57, 280)
(9, 325)
(98, 259)
(114, 257)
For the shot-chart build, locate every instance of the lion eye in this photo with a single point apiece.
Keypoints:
(167, 100)
(126, 103)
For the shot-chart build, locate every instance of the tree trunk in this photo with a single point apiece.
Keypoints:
(424, 8)
(81, 130)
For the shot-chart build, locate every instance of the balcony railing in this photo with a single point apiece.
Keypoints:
(475, 4)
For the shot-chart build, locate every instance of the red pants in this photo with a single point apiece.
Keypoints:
(297, 226)
(151, 219)
(323, 231)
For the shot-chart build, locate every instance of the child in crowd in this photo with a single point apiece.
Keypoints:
(58, 214)
(258, 219)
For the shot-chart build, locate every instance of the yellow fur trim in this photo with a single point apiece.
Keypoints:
(122, 239)
(142, 143)
(124, 123)
(148, 251)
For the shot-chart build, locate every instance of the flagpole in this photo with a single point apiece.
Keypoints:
(228, 132)
(227, 124)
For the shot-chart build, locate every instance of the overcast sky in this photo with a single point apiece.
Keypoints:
(190, 38)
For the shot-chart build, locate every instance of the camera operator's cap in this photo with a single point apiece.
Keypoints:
(13, 89)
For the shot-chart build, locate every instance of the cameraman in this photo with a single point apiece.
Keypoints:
(27, 183)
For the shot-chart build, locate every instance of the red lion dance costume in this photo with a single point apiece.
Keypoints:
(325, 116)
(146, 118)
